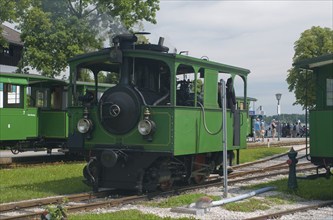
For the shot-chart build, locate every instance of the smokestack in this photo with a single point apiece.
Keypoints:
(161, 41)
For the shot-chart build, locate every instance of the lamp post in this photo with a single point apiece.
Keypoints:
(278, 97)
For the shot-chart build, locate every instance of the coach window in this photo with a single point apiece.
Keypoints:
(56, 98)
(13, 96)
(41, 98)
(329, 92)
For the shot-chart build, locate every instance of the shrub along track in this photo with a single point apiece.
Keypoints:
(90, 201)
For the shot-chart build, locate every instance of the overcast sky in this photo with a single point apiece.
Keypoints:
(256, 35)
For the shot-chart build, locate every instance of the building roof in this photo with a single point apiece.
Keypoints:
(315, 62)
(11, 35)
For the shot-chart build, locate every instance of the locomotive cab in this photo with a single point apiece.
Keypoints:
(148, 131)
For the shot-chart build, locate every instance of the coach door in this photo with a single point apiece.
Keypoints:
(18, 122)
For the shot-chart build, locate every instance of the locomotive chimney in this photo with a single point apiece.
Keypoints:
(161, 41)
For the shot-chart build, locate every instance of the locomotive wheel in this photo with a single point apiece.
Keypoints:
(166, 185)
(199, 173)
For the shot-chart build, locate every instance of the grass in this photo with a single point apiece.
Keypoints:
(252, 154)
(280, 199)
(254, 204)
(36, 182)
(318, 189)
(180, 200)
(248, 205)
(121, 215)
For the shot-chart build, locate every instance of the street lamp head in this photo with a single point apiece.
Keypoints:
(278, 96)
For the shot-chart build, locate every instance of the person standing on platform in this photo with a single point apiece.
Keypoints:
(262, 130)
(257, 129)
(273, 128)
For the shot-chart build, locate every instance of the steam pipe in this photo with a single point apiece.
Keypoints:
(241, 197)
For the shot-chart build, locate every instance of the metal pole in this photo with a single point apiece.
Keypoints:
(278, 113)
(224, 137)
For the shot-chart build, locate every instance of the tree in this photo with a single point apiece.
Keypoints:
(312, 43)
(53, 31)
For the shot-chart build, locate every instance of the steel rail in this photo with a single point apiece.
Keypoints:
(266, 169)
(291, 211)
(52, 200)
(263, 160)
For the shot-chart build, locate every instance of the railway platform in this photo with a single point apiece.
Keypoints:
(275, 142)
(7, 157)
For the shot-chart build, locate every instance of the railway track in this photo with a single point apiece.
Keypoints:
(291, 211)
(32, 160)
(89, 201)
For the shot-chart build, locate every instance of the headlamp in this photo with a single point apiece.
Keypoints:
(84, 125)
(146, 127)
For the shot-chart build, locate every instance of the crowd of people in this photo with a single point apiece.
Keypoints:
(262, 130)
(293, 130)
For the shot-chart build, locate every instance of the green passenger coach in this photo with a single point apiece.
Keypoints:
(162, 121)
(33, 111)
(321, 118)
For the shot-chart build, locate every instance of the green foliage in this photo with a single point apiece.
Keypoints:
(318, 189)
(312, 43)
(53, 31)
(180, 200)
(121, 215)
(112, 78)
(36, 182)
(56, 212)
(85, 76)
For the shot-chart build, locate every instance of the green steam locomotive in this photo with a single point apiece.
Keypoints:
(161, 124)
